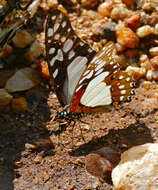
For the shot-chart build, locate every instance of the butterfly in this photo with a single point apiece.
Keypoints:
(84, 81)
(14, 19)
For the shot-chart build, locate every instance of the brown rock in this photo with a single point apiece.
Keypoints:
(129, 2)
(131, 53)
(101, 163)
(126, 37)
(133, 22)
(19, 105)
(5, 97)
(154, 63)
(90, 4)
(105, 8)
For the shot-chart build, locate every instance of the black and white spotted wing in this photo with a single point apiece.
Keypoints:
(66, 53)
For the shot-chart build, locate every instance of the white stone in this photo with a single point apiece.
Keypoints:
(138, 169)
(5, 97)
(23, 79)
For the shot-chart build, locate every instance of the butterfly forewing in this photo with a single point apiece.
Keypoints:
(67, 55)
(102, 83)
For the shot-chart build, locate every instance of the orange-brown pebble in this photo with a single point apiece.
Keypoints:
(101, 163)
(154, 63)
(19, 105)
(43, 66)
(131, 53)
(105, 8)
(129, 2)
(90, 4)
(126, 37)
(133, 21)
(136, 72)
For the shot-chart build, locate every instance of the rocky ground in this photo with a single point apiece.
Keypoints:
(32, 155)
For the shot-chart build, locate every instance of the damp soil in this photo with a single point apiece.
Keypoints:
(33, 156)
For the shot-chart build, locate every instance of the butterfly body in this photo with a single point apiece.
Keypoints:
(84, 81)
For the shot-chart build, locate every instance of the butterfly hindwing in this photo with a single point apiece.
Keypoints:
(66, 53)
(102, 83)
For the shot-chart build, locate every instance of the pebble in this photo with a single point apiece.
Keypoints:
(144, 31)
(5, 97)
(34, 51)
(149, 75)
(105, 8)
(136, 72)
(22, 39)
(154, 63)
(38, 159)
(137, 168)
(129, 2)
(101, 162)
(153, 51)
(126, 37)
(90, 4)
(19, 105)
(156, 29)
(119, 13)
(22, 80)
(133, 21)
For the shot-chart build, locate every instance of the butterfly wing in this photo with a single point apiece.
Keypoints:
(67, 55)
(102, 83)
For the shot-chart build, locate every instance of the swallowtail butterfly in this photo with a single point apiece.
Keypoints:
(14, 19)
(84, 81)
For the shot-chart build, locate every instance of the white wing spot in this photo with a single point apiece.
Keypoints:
(67, 45)
(52, 61)
(81, 43)
(71, 54)
(68, 29)
(115, 66)
(50, 32)
(121, 77)
(56, 26)
(111, 63)
(53, 17)
(121, 98)
(63, 24)
(121, 86)
(51, 50)
(90, 50)
(128, 79)
(49, 41)
(57, 36)
(63, 39)
(55, 73)
(123, 91)
(60, 55)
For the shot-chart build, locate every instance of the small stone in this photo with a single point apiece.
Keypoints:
(30, 146)
(34, 52)
(6, 51)
(137, 168)
(43, 66)
(126, 37)
(155, 75)
(136, 72)
(105, 8)
(71, 187)
(156, 29)
(90, 4)
(22, 80)
(149, 75)
(22, 39)
(5, 97)
(129, 2)
(133, 21)
(144, 31)
(154, 63)
(153, 51)
(101, 162)
(119, 13)
(38, 159)
(19, 105)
